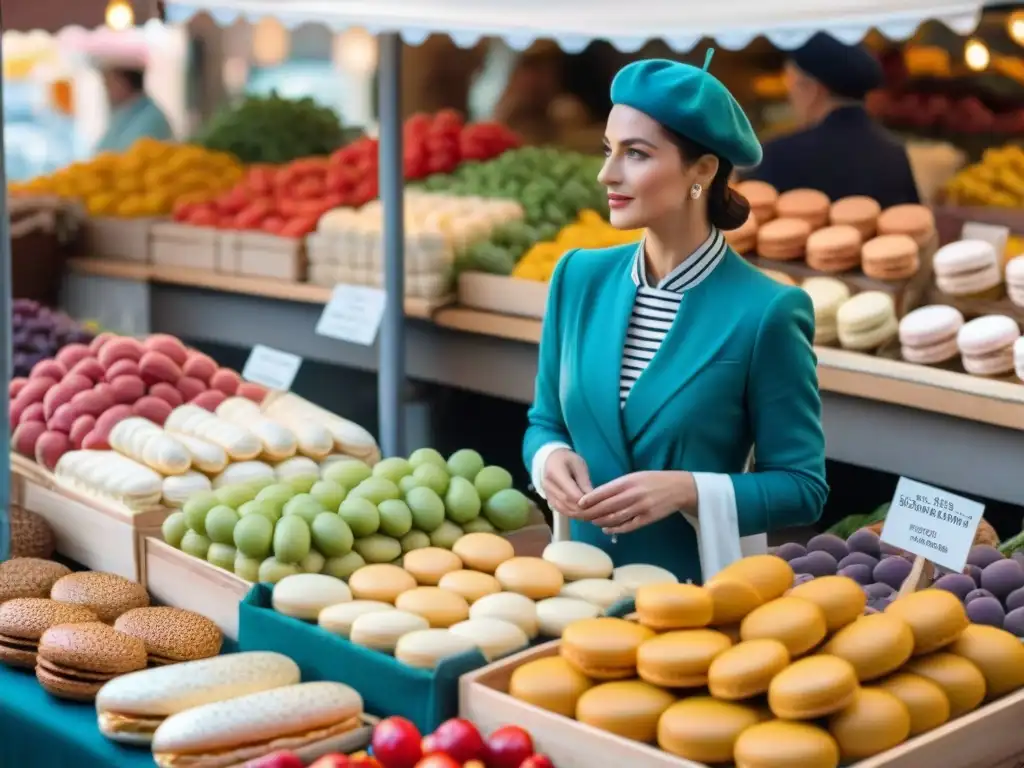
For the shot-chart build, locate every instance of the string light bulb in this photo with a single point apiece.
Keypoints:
(270, 42)
(976, 55)
(119, 15)
(1015, 26)
(355, 51)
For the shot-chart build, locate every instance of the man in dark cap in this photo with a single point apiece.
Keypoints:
(841, 150)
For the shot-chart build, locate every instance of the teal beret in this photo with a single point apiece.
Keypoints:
(691, 102)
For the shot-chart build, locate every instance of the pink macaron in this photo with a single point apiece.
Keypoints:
(928, 335)
(967, 267)
(987, 344)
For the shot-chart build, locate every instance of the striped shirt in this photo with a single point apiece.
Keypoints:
(656, 307)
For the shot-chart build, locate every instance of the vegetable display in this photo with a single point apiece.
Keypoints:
(588, 231)
(147, 180)
(39, 333)
(273, 129)
(997, 181)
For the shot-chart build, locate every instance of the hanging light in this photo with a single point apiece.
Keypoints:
(119, 15)
(270, 42)
(1015, 26)
(976, 55)
(355, 51)
(235, 73)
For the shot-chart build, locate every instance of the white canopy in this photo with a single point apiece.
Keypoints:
(574, 23)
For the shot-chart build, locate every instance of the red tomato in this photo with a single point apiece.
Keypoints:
(299, 226)
(459, 738)
(310, 188)
(203, 216)
(333, 761)
(443, 162)
(437, 761)
(338, 179)
(181, 210)
(418, 124)
(253, 214)
(537, 761)
(260, 179)
(396, 743)
(234, 201)
(446, 119)
(273, 225)
(508, 747)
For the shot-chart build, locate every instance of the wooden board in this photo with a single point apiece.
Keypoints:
(504, 295)
(100, 536)
(986, 738)
(179, 580)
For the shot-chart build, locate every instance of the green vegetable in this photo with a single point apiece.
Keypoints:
(1011, 545)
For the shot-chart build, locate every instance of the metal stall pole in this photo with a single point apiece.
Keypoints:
(6, 349)
(391, 382)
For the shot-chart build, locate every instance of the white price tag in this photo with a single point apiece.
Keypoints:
(272, 368)
(933, 523)
(993, 234)
(353, 314)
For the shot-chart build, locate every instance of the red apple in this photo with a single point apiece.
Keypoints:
(458, 738)
(437, 760)
(537, 761)
(508, 747)
(280, 759)
(333, 760)
(396, 743)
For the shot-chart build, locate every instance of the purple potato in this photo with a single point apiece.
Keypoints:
(986, 610)
(791, 551)
(1002, 577)
(1015, 599)
(828, 542)
(879, 589)
(974, 572)
(982, 555)
(865, 541)
(858, 558)
(859, 573)
(957, 583)
(974, 594)
(1014, 622)
(815, 563)
(892, 571)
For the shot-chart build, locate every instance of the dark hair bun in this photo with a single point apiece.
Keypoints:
(727, 208)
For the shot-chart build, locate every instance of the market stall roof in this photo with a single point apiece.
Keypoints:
(54, 15)
(574, 23)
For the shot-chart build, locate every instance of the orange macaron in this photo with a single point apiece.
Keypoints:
(890, 257)
(762, 197)
(857, 211)
(911, 219)
(834, 249)
(743, 239)
(783, 239)
(808, 204)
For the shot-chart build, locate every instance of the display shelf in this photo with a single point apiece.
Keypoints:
(937, 426)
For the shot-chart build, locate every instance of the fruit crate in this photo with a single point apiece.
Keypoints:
(985, 738)
(100, 536)
(108, 237)
(181, 245)
(256, 254)
(179, 580)
(503, 295)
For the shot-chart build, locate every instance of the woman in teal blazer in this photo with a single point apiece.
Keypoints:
(663, 363)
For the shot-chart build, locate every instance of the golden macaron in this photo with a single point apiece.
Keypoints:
(533, 577)
(680, 659)
(604, 648)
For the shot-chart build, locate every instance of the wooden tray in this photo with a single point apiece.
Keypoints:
(102, 537)
(986, 738)
(182, 581)
(181, 245)
(504, 295)
(108, 237)
(270, 256)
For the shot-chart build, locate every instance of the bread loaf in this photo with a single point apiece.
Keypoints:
(178, 488)
(239, 443)
(109, 476)
(206, 456)
(279, 442)
(349, 438)
(145, 442)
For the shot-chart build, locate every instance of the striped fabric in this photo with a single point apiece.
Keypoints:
(655, 308)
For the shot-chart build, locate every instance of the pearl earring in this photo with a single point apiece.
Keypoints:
(695, 191)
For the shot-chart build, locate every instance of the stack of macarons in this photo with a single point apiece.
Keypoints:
(783, 239)
(891, 257)
(479, 594)
(928, 335)
(827, 295)
(834, 249)
(857, 211)
(987, 345)
(810, 205)
(762, 198)
(1015, 280)
(867, 321)
(968, 268)
(915, 221)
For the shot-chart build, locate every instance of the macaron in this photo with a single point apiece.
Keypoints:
(783, 239)
(381, 630)
(24, 620)
(304, 595)
(910, 219)
(29, 577)
(483, 551)
(426, 648)
(550, 683)
(762, 197)
(967, 268)
(604, 648)
(808, 204)
(784, 744)
(531, 576)
(508, 606)
(554, 614)
(337, 619)
(867, 321)
(834, 249)
(604, 593)
(743, 239)
(1018, 358)
(171, 635)
(827, 295)
(635, 575)
(472, 585)
(106, 594)
(439, 607)
(75, 660)
(987, 345)
(578, 560)
(890, 257)
(1015, 280)
(628, 708)
(430, 564)
(382, 582)
(928, 334)
(857, 211)
(495, 638)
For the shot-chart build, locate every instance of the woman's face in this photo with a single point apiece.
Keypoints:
(644, 172)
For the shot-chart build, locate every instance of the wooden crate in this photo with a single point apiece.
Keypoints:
(181, 245)
(986, 738)
(503, 295)
(182, 581)
(108, 237)
(256, 254)
(100, 536)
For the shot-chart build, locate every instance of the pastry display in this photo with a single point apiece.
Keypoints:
(891, 257)
(426, 648)
(23, 621)
(762, 197)
(808, 204)
(837, 249)
(928, 335)
(986, 345)
(105, 594)
(827, 295)
(970, 268)
(914, 220)
(783, 239)
(1014, 276)
(867, 321)
(29, 577)
(857, 211)
(74, 661)
(171, 635)
(131, 707)
(493, 637)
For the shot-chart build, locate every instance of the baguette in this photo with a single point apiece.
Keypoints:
(142, 440)
(109, 476)
(206, 456)
(239, 443)
(349, 438)
(279, 442)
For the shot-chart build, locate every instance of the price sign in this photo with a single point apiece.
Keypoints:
(272, 368)
(932, 523)
(993, 234)
(353, 314)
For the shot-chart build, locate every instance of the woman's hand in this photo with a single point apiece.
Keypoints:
(638, 499)
(566, 479)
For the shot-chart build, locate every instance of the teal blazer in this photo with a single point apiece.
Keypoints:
(736, 369)
(140, 118)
